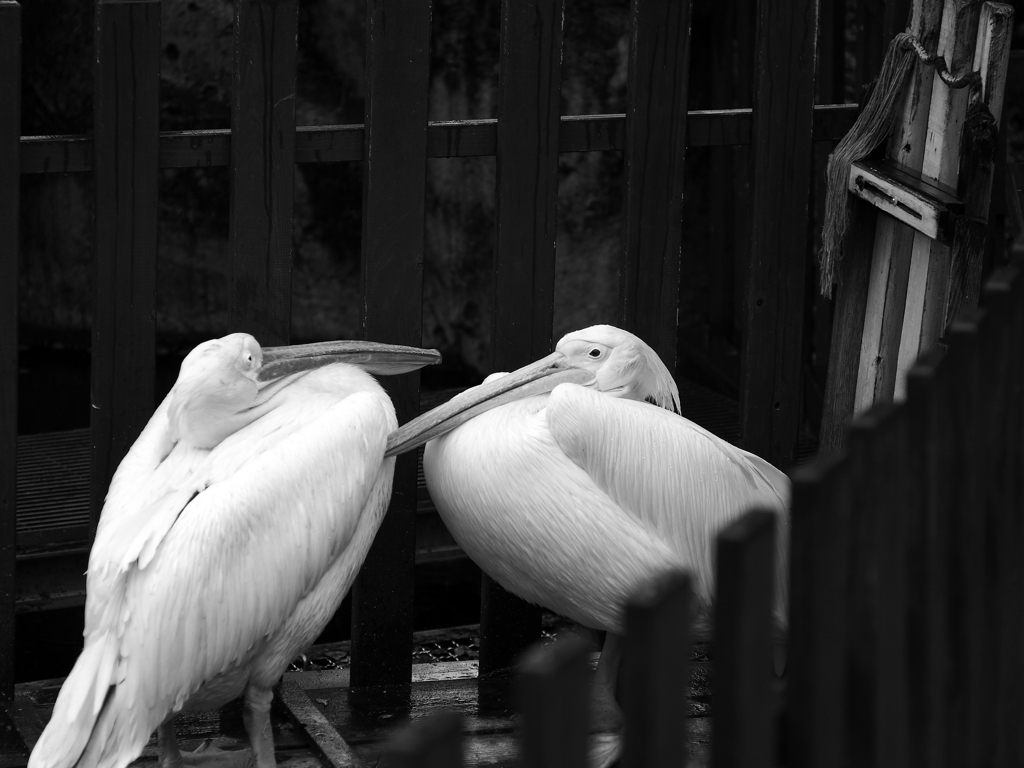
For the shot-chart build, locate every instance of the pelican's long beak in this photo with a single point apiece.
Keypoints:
(534, 379)
(282, 365)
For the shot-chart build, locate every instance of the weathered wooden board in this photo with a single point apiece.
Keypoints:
(262, 169)
(930, 260)
(462, 138)
(526, 201)
(10, 127)
(127, 121)
(659, 66)
(774, 307)
(394, 189)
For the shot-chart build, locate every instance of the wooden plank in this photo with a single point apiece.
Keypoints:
(744, 712)
(965, 556)
(457, 138)
(126, 119)
(654, 668)
(321, 735)
(847, 330)
(526, 202)
(931, 471)
(819, 548)
(979, 144)
(435, 742)
(774, 308)
(1000, 597)
(10, 128)
(890, 253)
(876, 600)
(394, 187)
(262, 169)
(930, 261)
(554, 695)
(659, 63)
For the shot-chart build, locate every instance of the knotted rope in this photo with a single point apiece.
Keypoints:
(873, 125)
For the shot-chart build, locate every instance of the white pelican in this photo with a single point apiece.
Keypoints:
(569, 485)
(231, 531)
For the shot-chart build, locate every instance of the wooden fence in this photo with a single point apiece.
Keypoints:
(846, 631)
(906, 633)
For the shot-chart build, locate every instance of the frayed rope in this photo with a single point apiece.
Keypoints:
(872, 127)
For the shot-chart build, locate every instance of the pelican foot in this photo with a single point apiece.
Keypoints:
(604, 750)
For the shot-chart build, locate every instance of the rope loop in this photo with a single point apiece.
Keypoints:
(910, 43)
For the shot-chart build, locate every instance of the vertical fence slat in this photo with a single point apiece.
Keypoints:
(529, 101)
(1002, 610)
(394, 189)
(435, 742)
(964, 564)
(10, 130)
(770, 370)
(127, 123)
(262, 168)
(659, 62)
(876, 627)
(554, 695)
(931, 471)
(657, 647)
(819, 542)
(744, 724)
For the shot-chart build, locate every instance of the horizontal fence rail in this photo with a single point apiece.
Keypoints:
(462, 138)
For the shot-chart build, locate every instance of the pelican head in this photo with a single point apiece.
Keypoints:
(227, 383)
(602, 357)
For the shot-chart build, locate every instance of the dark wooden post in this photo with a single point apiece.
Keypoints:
(655, 670)
(262, 169)
(529, 99)
(744, 725)
(554, 695)
(127, 124)
(394, 188)
(932, 472)
(659, 62)
(10, 178)
(820, 536)
(770, 401)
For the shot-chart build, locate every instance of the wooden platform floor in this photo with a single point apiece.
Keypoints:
(315, 710)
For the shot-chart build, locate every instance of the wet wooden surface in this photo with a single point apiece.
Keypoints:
(367, 719)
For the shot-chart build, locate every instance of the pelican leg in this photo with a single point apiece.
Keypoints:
(256, 717)
(170, 755)
(605, 748)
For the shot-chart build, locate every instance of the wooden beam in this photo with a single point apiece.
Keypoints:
(127, 121)
(322, 737)
(457, 138)
(526, 202)
(659, 65)
(930, 260)
(770, 402)
(262, 169)
(394, 191)
(10, 178)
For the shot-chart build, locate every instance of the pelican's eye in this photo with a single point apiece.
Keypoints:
(595, 353)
